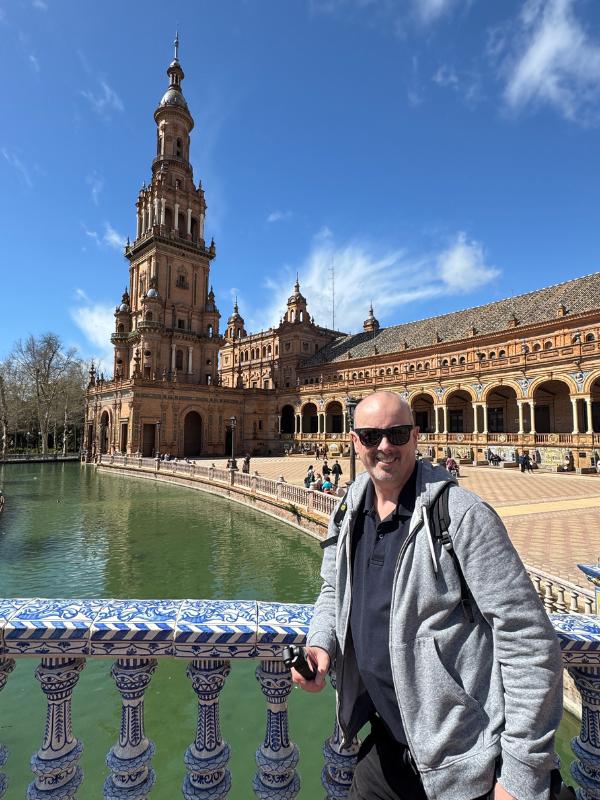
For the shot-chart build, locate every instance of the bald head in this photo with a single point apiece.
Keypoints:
(383, 410)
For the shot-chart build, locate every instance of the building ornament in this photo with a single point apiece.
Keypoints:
(524, 384)
(579, 378)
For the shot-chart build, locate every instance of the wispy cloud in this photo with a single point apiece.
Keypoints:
(429, 11)
(110, 237)
(466, 83)
(554, 61)
(29, 52)
(96, 184)
(104, 101)
(23, 171)
(279, 216)
(96, 321)
(390, 15)
(445, 76)
(41, 5)
(395, 279)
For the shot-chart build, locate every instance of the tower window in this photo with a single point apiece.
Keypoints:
(179, 359)
(179, 148)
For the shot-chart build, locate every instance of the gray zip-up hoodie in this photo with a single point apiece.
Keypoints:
(467, 692)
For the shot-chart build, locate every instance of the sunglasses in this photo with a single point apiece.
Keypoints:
(371, 437)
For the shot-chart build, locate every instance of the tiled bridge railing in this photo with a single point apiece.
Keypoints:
(209, 634)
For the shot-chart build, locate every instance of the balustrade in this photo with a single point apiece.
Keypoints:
(210, 635)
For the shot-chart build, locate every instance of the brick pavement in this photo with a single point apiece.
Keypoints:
(553, 520)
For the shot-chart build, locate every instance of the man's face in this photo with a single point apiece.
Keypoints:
(385, 463)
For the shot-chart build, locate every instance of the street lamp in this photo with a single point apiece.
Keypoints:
(157, 454)
(233, 425)
(351, 403)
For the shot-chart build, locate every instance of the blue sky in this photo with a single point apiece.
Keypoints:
(438, 153)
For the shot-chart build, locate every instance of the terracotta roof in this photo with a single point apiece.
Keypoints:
(577, 296)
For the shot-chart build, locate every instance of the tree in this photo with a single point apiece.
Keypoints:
(43, 367)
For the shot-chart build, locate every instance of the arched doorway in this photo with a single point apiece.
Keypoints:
(288, 423)
(104, 431)
(502, 410)
(192, 434)
(422, 406)
(460, 412)
(310, 420)
(334, 418)
(553, 409)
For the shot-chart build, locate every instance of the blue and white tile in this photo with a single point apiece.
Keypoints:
(579, 637)
(51, 627)
(135, 628)
(280, 625)
(8, 608)
(216, 629)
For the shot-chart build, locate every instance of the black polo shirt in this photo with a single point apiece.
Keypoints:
(376, 545)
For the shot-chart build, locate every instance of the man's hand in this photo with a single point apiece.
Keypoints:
(319, 661)
(500, 793)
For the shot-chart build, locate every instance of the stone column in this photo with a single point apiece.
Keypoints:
(445, 412)
(162, 211)
(278, 423)
(201, 231)
(575, 419)
(173, 347)
(485, 418)
(436, 416)
(140, 225)
(156, 210)
(475, 421)
(190, 351)
(521, 426)
(588, 408)
(149, 214)
(143, 219)
(176, 217)
(532, 414)
(189, 222)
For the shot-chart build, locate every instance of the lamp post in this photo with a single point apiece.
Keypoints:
(351, 403)
(233, 425)
(157, 454)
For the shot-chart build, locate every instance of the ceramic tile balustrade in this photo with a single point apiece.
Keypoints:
(210, 634)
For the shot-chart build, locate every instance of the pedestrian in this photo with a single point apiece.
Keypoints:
(326, 469)
(310, 476)
(445, 649)
(336, 471)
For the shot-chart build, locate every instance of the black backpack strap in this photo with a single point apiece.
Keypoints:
(337, 520)
(440, 519)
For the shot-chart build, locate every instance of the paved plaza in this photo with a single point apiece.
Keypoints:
(553, 519)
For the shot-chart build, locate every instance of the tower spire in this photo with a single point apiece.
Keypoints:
(176, 45)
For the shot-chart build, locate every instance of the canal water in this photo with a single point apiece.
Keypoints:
(70, 532)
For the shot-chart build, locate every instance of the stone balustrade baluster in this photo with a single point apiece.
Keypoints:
(586, 746)
(561, 606)
(207, 758)
(6, 667)
(339, 764)
(588, 605)
(276, 759)
(56, 763)
(548, 600)
(131, 775)
(574, 599)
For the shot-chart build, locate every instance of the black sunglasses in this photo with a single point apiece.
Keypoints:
(397, 435)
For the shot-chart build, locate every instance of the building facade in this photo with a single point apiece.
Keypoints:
(519, 374)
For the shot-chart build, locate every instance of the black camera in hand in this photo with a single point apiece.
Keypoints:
(296, 657)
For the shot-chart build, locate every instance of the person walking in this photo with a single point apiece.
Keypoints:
(445, 649)
(336, 471)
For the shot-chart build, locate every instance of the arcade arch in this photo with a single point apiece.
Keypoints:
(192, 434)
(553, 412)
(334, 418)
(104, 431)
(459, 412)
(423, 412)
(310, 419)
(501, 409)
(288, 419)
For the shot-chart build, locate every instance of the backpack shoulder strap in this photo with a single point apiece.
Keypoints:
(337, 519)
(440, 519)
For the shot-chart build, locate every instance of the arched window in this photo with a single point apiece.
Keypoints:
(419, 366)
(462, 360)
(366, 373)
(264, 351)
(396, 371)
(360, 375)
(120, 328)
(590, 337)
(502, 354)
(388, 371)
(179, 148)
(411, 368)
(492, 354)
(382, 372)
(548, 345)
(149, 316)
(354, 376)
(537, 347)
(453, 362)
(269, 351)
(427, 365)
(179, 359)
(445, 362)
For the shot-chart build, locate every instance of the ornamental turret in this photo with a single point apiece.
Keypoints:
(235, 324)
(370, 325)
(296, 306)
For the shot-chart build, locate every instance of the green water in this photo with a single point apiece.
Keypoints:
(69, 532)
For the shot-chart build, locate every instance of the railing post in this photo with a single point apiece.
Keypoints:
(586, 746)
(548, 600)
(278, 490)
(253, 483)
(310, 499)
(211, 473)
(6, 667)
(276, 759)
(129, 760)
(56, 763)
(207, 758)
(339, 764)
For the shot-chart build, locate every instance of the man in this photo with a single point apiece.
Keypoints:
(463, 697)
(336, 471)
(326, 469)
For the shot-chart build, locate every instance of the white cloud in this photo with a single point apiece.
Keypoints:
(445, 76)
(105, 101)
(554, 62)
(41, 5)
(278, 216)
(110, 237)
(429, 11)
(392, 279)
(96, 184)
(96, 321)
(15, 162)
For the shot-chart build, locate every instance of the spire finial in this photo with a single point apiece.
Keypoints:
(235, 305)
(297, 284)
(176, 45)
